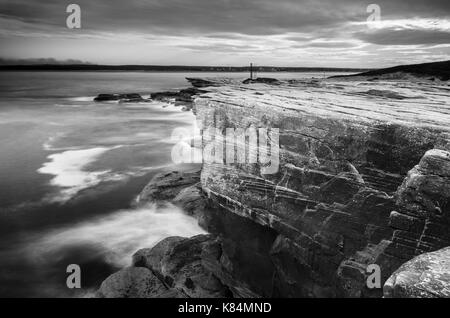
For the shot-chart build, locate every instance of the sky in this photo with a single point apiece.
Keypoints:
(302, 33)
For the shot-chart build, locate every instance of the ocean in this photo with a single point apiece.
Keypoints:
(71, 168)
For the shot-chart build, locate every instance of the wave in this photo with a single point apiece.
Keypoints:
(116, 237)
(68, 170)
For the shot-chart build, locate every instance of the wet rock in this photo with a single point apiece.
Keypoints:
(107, 97)
(166, 186)
(194, 202)
(152, 257)
(180, 262)
(135, 282)
(184, 97)
(122, 98)
(131, 98)
(425, 276)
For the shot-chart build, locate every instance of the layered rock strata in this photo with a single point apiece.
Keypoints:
(362, 179)
(347, 193)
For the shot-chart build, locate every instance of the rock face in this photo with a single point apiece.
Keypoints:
(179, 267)
(426, 276)
(361, 179)
(347, 193)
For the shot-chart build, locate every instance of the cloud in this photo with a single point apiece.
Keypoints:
(33, 61)
(228, 31)
(405, 37)
(331, 44)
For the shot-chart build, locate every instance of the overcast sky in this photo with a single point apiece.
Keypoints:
(228, 32)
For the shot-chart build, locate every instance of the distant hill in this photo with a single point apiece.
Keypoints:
(439, 70)
(168, 68)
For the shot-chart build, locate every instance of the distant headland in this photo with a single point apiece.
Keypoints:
(432, 71)
(169, 68)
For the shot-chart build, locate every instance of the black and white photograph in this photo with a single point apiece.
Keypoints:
(233, 151)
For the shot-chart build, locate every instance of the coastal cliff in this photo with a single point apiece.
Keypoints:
(362, 178)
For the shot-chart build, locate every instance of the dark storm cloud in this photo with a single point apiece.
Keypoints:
(255, 17)
(199, 16)
(170, 28)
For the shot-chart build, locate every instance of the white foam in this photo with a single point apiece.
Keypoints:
(82, 99)
(68, 170)
(118, 236)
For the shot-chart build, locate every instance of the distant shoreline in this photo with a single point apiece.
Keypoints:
(170, 69)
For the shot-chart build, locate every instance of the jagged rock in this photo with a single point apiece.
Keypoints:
(426, 190)
(180, 263)
(340, 166)
(135, 282)
(152, 257)
(357, 185)
(193, 201)
(166, 186)
(183, 97)
(425, 276)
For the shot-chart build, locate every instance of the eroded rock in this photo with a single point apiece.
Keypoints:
(425, 276)
(166, 186)
(135, 282)
(340, 166)
(180, 263)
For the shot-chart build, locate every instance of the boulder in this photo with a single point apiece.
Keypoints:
(180, 263)
(166, 186)
(152, 257)
(425, 276)
(193, 201)
(135, 282)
